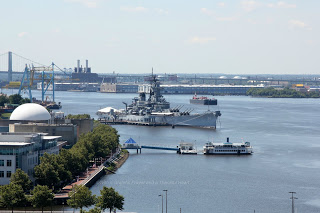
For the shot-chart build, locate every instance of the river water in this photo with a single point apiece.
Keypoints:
(284, 134)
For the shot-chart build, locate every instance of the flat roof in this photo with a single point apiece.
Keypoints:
(50, 137)
(14, 144)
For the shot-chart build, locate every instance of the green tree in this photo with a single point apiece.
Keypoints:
(110, 199)
(81, 197)
(94, 210)
(22, 179)
(11, 196)
(79, 116)
(74, 160)
(54, 176)
(46, 174)
(15, 99)
(25, 100)
(3, 99)
(42, 196)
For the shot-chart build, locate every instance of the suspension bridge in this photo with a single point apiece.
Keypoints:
(22, 72)
(12, 63)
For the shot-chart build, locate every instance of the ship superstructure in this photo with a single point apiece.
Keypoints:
(155, 110)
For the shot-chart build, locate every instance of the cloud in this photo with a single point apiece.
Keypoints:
(249, 5)
(221, 4)
(162, 11)
(299, 24)
(202, 40)
(211, 13)
(281, 4)
(86, 3)
(22, 34)
(226, 18)
(207, 11)
(134, 9)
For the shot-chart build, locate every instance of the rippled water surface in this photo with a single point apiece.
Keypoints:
(286, 141)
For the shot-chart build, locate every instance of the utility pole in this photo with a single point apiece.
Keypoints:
(162, 202)
(166, 200)
(292, 197)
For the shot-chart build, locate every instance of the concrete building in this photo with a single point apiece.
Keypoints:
(118, 88)
(67, 132)
(23, 150)
(35, 118)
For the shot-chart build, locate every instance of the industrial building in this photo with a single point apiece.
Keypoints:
(81, 87)
(84, 74)
(23, 150)
(201, 89)
(118, 88)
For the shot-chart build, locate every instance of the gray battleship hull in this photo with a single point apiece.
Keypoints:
(205, 120)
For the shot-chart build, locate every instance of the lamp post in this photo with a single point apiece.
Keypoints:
(161, 203)
(165, 190)
(292, 197)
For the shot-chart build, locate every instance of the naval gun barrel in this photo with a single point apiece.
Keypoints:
(180, 107)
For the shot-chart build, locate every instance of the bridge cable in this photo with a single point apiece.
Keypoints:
(29, 60)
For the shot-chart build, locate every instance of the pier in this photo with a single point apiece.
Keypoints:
(131, 144)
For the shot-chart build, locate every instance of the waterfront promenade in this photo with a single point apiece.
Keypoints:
(89, 177)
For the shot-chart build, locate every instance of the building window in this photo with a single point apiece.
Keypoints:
(8, 174)
(9, 162)
(1, 174)
(1, 162)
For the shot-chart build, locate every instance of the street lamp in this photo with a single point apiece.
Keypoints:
(293, 200)
(161, 202)
(165, 190)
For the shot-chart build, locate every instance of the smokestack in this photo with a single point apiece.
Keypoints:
(87, 66)
(78, 67)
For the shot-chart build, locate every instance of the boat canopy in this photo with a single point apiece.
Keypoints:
(108, 110)
(130, 141)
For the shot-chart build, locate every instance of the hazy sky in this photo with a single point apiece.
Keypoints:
(176, 36)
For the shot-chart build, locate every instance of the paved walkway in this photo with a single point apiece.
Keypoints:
(85, 177)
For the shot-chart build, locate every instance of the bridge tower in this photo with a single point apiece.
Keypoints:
(9, 66)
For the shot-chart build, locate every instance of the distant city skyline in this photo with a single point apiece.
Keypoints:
(228, 37)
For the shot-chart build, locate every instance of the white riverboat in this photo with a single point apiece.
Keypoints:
(227, 148)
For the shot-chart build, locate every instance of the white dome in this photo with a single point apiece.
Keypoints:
(30, 112)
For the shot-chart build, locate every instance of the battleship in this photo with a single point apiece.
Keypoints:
(156, 111)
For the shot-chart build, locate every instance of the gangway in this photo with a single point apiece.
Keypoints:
(131, 144)
(159, 147)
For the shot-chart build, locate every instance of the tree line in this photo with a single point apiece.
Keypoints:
(56, 171)
(14, 195)
(282, 93)
(13, 99)
(79, 116)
